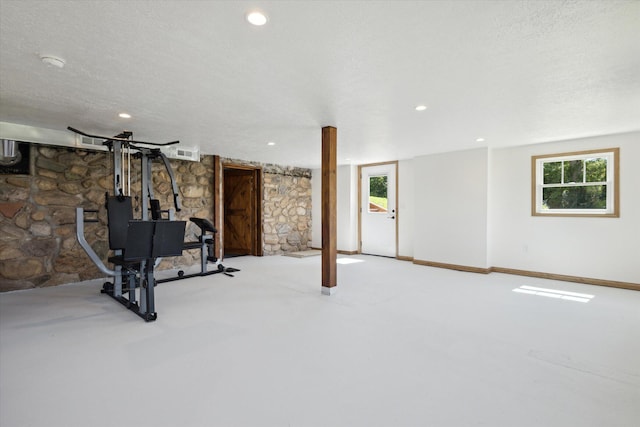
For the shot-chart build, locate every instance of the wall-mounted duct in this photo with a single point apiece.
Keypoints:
(65, 138)
(183, 153)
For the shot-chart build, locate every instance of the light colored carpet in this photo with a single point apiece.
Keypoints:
(398, 345)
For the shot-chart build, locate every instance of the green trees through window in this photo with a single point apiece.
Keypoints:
(378, 193)
(585, 184)
(576, 183)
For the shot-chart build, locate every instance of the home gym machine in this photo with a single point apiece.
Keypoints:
(139, 244)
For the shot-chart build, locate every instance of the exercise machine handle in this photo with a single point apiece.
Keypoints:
(176, 202)
(85, 245)
(174, 185)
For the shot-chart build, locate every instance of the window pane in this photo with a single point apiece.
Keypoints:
(573, 171)
(596, 170)
(576, 184)
(378, 193)
(586, 197)
(553, 173)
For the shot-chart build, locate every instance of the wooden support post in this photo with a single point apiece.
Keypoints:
(329, 211)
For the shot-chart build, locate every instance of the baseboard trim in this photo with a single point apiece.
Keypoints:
(404, 258)
(348, 252)
(538, 274)
(453, 266)
(567, 278)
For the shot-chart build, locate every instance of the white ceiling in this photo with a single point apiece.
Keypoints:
(512, 72)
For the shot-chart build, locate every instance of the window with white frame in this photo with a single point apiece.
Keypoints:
(583, 183)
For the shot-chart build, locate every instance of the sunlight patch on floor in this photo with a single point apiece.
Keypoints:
(554, 293)
(348, 260)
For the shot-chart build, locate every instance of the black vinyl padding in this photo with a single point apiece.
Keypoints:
(151, 239)
(119, 213)
(168, 238)
(139, 243)
(204, 224)
(154, 206)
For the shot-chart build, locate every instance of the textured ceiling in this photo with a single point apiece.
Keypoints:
(512, 72)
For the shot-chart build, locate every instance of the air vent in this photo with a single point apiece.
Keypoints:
(183, 153)
(88, 142)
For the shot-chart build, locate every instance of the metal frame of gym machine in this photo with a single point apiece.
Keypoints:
(121, 147)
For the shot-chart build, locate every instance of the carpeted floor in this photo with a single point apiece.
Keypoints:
(397, 345)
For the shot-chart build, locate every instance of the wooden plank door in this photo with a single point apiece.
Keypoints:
(239, 211)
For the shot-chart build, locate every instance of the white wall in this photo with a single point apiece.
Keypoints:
(599, 248)
(406, 208)
(347, 205)
(473, 208)
(347, 183)
(450, 215)
(347, 208)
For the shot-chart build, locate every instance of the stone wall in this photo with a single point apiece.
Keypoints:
(38, 245)
(286, 207)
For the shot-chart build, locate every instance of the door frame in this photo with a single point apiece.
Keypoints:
(219, 167)
(394, 162)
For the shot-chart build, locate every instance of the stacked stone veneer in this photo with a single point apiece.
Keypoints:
(38, 245)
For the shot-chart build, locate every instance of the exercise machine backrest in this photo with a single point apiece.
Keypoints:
(119, 213)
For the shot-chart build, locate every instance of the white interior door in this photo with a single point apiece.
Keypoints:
(378, 216)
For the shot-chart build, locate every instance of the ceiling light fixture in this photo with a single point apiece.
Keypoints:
(271, 143)
(421, 107)
(479, 139)
(124, 115)
(257, 18)
(52, 61)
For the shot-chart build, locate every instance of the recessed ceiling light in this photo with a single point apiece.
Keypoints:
(479, 139)
(124, 115)
(52, 60)
(421, 107)
(257, 18)
(271, 143)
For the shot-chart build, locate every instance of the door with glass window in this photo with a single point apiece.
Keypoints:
(378, 215)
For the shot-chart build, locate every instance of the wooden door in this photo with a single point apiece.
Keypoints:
(239, 211)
